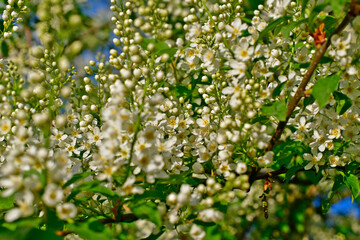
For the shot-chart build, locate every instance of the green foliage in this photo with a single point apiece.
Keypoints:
(4, 49)
(145, 143)
(6, 203)
(41, 235)
(276, 109)
(323, 89)
(338, 6)
(352, 183)
(285, 152)
(278, 89)
(147, 210)
(343, 102)
(286, 30)
(94, 187)
(330, 23)
(78, 177)
(160, 47)
(273, 25)
(92, 229)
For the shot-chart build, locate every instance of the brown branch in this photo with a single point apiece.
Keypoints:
(320, 51)
(300, 93)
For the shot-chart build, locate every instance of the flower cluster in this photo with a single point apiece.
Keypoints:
(171, 129)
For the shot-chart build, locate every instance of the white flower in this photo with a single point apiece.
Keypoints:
(225, 168)
(204, 121)
(53, 195)
(236, 27)
(11, 183)
(58, 135)
(197, 233)
(144, 228)
(342, 44)
(149, 161)
(71, 148)
(3, 64)
(351, 88)
(24, 209)
(242, 51)
(266, 159)
(5, 126)
(208, 56)
(320, 141)
(241, 168)
(5, 108)
(334, 160)
(314, 160)
(66, 211)
(194, 31)
(238, 68)
(129, 188)
(204, 154)
(351, 133)
(335, 133)
(302, 55)
(303, 126)
(95, 136)
(210, 215)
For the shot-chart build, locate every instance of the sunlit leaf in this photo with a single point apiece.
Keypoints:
(324, 87)
(276, 109)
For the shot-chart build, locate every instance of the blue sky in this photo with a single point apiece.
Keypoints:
(96, 5)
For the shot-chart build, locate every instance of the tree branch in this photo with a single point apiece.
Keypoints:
(320, 51)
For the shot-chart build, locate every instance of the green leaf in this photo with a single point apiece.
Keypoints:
(53, 221)
(91, 230)
(326, 59)
(276, 109)
(348, 179)
(6, 203)
(78, 177)
(160, 47)
(4, 49)
(315, 11)
(308, 101)
(330, 24)
(323, 89)
(271, 27)
(213, 233)
(182, 91)
(9, 235)
(343, 102)
(42, 235)
(148, 210)
(284, 153)
(338, 184)
(351, 167)
(94, 186)
(23, 223)
(285, 31)
(170, 51)
(293, 170)
(303, 7)
(313, 176)
(352, 182)
(278, 89)
(101, 189)
(337, 6)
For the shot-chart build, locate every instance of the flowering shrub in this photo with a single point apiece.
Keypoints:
(205, 117)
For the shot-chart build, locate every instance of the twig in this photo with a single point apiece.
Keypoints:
(301, 89)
